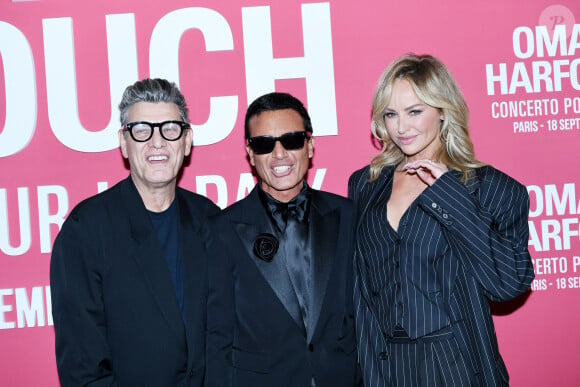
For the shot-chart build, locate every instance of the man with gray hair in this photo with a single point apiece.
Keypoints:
(128, 268)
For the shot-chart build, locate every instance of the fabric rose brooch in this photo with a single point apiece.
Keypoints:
(265, 247)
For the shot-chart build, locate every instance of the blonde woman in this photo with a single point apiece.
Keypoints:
(439, 234)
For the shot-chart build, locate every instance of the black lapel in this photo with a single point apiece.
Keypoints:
(324, 233)
(147, 253)
(194, 263)
(368, 197)
(253, 222)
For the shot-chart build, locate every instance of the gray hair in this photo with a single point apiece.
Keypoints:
(152, 90)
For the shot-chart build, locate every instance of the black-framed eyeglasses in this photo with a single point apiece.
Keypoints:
(142, 131)
(261, 145)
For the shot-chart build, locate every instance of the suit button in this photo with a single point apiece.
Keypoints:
(311, 347)
(383, 355)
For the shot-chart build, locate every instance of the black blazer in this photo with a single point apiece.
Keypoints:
(485, 230)
(116, 317)
(255, 333)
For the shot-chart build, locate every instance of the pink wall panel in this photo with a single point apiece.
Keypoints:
(64, 65)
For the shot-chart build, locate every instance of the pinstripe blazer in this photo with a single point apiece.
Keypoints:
(482, 230)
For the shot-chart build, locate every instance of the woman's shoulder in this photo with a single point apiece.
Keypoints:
(362, 173)
(498, 184)
(359, 179)
(490, 174)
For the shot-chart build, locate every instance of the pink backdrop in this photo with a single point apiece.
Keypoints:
(64, 64)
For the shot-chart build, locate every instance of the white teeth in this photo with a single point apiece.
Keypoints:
(281, 169)
(157, 158)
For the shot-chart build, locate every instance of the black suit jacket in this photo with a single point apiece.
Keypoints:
(256, 336)
(116, 317)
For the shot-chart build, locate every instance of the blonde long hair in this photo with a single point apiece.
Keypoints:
(434, 86)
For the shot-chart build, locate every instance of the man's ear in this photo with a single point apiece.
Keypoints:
(188, 142)
(123, 143)
(310, 147)
(251, 155)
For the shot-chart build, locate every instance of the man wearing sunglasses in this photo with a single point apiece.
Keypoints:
(128, 269)
(280, 309)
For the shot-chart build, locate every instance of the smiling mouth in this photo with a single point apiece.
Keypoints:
(157, 158)
(281, 169)
(406, 140)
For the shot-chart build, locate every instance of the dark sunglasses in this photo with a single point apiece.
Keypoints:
(261, 145)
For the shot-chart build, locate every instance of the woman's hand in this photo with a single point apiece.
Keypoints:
(427, 170)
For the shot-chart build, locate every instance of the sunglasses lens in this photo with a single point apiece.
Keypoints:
(265, 144)
(293, 141)
(262, 145)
